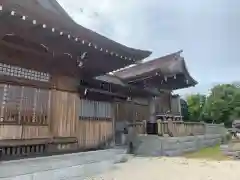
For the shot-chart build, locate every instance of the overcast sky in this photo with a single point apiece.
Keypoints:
(208, 31)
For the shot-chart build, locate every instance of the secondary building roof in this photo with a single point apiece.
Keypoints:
(167, 72)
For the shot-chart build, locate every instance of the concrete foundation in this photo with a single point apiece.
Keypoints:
(76, 166)
(215, 129)
(153, 145)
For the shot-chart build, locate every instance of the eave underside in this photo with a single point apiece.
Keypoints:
(168, 72)
(116, 90)
(168, 83)
(94, 63)
(163, 65)
(102, 50)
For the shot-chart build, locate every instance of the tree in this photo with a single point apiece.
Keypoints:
(195, 103)
(222, 105)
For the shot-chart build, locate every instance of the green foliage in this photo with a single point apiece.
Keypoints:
(222, 105)
(195, 105)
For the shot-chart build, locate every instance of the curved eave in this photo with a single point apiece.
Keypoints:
(159, 65)
(51, 14)
(168, 83)
(124, 88)
(190, 79)
(168, 72)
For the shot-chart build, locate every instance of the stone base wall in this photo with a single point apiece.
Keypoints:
(152, 145)
(215, 129)
(65, 167)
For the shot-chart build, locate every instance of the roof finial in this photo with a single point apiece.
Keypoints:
(179, 52)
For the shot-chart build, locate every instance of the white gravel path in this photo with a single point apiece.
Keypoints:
(173, 169)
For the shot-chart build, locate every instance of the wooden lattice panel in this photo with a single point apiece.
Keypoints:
(15, 71)
(24, 105)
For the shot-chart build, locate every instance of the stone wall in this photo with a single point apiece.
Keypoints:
(215, 129)
(63, 167)
(152, 145)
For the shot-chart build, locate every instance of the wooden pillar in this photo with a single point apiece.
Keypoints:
(170, 101)
(132, 111)
(52, 110)
(152, 106)
(114, 106)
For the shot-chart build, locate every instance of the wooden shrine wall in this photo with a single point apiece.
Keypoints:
(37, 101)
(131, 111)
(64, 113)
(71, 117)
(56, 110)
(175, 105)
(91, 133)
(95, 125)
(24, 112)
(164, 103)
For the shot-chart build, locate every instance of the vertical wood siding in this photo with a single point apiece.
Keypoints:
(164, 104)
(25, 112)
(91, 133)
(89, 121)
(23, 132)
(64, 113)
(94, 109)
(127, 111)
(24, 105)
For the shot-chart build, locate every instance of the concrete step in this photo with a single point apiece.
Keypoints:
(62, 166)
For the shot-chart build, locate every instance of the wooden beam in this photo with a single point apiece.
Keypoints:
(26, 50)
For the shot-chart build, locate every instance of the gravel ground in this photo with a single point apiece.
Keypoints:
(173, 169)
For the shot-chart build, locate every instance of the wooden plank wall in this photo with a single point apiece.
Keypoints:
(66, 122)
(24, 112)
(64, 113)
(127, 111)
(63, 120)
(175, 105)
(31, 108)
(8, 132)
(91, 133)
(163, 104)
